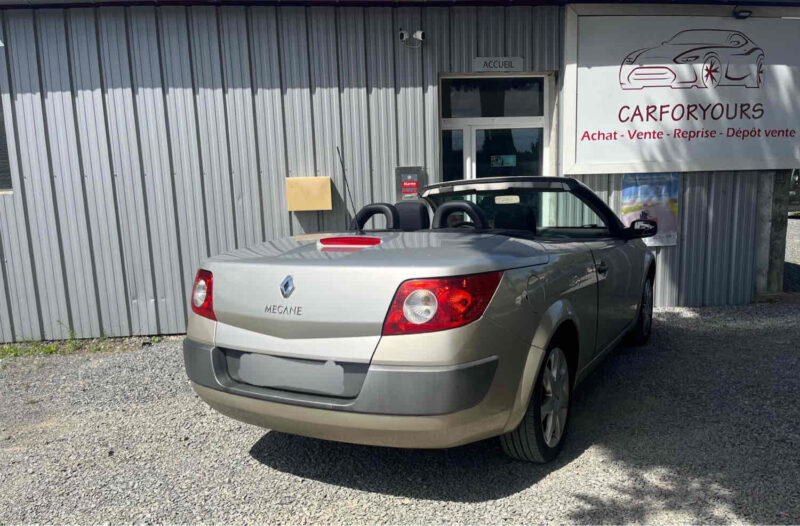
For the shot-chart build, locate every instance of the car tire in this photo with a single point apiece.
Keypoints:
(640, 334)
(529, 441)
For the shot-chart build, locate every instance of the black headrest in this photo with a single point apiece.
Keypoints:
(515, 217)
(472, 210)
(413, 215)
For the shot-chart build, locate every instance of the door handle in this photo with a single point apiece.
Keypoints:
(602, 268)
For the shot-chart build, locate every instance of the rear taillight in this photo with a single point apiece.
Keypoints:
(427, 305)
(203, 294)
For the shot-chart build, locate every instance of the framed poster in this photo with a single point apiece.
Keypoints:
(653, 197)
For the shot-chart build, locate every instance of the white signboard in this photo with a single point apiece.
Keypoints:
(483, 64)
(679, 93)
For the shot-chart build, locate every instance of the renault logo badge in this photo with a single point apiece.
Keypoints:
(287, 286)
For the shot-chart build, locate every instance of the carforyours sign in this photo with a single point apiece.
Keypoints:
(679, 93)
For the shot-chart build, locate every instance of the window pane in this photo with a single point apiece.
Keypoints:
(510, 151)
(565, 210)
(492, 97)
(452, 155)
(551, 214)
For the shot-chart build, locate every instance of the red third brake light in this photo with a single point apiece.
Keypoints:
(347, 243)
(203, 295)
(427, 305)
(352, 241)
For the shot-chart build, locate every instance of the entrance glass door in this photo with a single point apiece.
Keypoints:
(493, 126)
(452, 154)
(508, 151)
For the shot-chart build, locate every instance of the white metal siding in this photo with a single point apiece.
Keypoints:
(714, 260)
(144, 139)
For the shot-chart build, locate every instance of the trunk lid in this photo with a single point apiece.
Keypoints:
(341, 293)
(338, 299)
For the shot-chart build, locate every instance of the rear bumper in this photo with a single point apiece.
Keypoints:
(438, 431)
(390, 390)
(400, 406)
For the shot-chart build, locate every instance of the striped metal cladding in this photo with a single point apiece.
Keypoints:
(144, 139)
(714, 260)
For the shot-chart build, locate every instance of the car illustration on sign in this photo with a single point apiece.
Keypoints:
(701, 58)
(473, 314)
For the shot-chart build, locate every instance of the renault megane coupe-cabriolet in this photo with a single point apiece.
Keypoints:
(473, 312)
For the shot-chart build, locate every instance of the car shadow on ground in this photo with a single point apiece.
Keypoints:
(702, 420)
(472, 473)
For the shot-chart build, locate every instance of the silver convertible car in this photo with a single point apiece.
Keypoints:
(472, 313)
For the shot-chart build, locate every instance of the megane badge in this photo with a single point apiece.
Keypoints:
(287, 286)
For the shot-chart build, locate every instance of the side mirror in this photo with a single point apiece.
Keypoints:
(642, 228)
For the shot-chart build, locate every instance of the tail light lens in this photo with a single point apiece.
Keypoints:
(347, 243)
(428, 305)
(203, 294)
(350, 241)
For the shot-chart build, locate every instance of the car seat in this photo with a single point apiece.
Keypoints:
(515, 217)
(472, 211)
(413, 215)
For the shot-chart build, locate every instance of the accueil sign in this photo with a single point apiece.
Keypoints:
(485, 64)
(684, 93)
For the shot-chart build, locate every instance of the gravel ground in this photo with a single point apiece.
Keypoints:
(702, 425)
(791, 268)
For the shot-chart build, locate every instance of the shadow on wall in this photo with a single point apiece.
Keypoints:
(791, 266)
(692, 424)
(791, 277)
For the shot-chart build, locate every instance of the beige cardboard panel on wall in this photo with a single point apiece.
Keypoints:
(680, 93)
(305, 194)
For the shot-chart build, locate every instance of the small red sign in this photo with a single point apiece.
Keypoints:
(409, 187)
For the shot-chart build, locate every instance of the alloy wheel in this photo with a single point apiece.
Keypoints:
(555, 397)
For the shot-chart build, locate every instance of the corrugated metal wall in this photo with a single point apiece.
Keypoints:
(714, 260)
(142, 140)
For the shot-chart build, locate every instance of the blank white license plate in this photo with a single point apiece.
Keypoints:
(295, 375)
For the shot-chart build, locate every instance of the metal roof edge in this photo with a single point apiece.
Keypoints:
(60, 4)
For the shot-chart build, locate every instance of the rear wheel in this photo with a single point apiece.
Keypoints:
(540, 435)
(644, 323)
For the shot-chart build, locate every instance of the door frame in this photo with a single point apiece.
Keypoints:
(468, 125)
